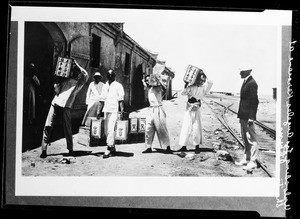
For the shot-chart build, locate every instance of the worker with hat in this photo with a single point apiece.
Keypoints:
(93, 97)
(247, 115)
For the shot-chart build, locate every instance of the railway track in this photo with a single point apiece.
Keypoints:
(224, 122)
(271, 132)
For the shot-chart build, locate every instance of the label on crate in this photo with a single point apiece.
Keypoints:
(142, 125)
(96, 128)
(154, 80)
(83, 136)
(164, 81)
(191, 74)
(133, 125)
(63, 67)
(121, 130)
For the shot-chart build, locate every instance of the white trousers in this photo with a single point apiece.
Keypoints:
(109, 127)
(191, 125)
(156, 122)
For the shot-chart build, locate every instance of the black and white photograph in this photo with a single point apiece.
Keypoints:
(150, 103)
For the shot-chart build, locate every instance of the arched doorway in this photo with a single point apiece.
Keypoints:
(43, 42)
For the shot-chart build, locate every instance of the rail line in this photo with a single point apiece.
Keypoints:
(223, 121)
(272, 132)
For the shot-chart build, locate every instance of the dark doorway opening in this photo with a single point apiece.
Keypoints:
(38, 49)
(127, 64)
(96, 47)
(138, 93)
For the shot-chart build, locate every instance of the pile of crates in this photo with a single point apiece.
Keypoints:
(127, 131)
(136, 131)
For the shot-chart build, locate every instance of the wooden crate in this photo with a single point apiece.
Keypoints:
(121, 132)
(192, 74)
(154, 80)
(133, 125)
(64, 67)
(142, 125)
(83, 136)
(97, 128)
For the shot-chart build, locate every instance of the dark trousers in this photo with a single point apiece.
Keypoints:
(55, 113)
(250, 140)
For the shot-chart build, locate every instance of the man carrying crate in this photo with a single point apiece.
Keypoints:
(66, 90)
(192, 123)
(156, 119)
(112, 98)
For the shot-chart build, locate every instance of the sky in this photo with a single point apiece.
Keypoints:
(218, 49)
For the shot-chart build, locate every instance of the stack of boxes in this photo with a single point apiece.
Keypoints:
(126, 131)
(131, 131)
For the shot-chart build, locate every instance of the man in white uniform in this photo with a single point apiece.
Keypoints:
(156, 119)
(112, 98)
(93, 97)
(66, 91)
(192, 117)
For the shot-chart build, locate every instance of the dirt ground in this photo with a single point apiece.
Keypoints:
(129, 160)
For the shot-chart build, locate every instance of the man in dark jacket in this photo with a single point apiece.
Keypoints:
(247, 115)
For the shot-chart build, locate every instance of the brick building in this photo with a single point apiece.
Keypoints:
(96, 47)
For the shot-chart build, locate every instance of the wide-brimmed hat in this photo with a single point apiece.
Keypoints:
(97, 74)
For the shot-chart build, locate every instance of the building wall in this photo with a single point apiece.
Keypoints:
(78, 43)
(113, 55)
(78, 47)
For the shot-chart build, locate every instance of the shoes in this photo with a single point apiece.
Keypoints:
(107, 154)
(71, 153)
(112, 149)
(148, 150)
(43, 154)
(241, 163)
(182, 149)
(197, 149)
(168, 150)
(250, 165)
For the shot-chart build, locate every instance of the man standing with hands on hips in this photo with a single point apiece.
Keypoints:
(247, 115)
(112, 98)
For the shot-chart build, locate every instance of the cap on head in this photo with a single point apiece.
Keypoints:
(111, 73)
(97, 74)
(246, 71)
(245, 67)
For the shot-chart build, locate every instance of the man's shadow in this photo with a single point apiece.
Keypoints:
(73, 154)
(115, 154)
(198, 151)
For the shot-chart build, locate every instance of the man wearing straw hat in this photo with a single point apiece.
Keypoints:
(93, 97)
(247, 115)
